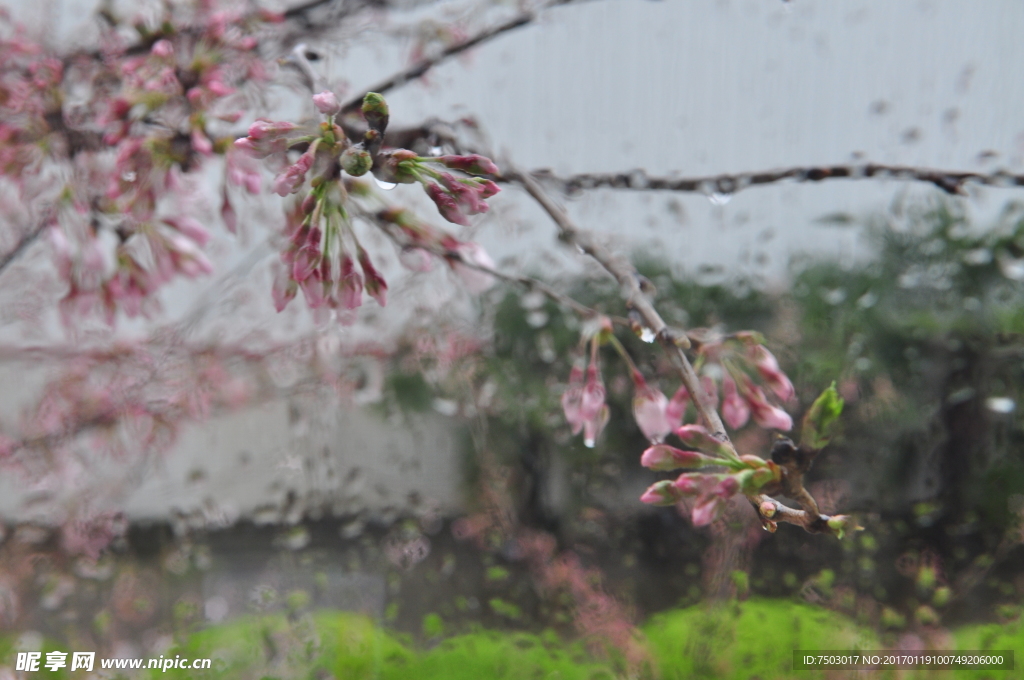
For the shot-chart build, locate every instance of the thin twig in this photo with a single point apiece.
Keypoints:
(26, 240)
(527, 282)
(420, 69)
(950, 181)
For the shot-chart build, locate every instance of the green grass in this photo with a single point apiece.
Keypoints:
(750, 639)
(740, 641)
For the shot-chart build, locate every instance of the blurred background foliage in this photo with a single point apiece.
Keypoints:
(925, 338)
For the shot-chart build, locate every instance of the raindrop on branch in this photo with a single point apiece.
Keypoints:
(719, 198)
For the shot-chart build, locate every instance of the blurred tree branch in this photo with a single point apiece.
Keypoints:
(950, 181)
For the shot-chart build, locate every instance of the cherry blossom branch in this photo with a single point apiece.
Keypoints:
(950, 181)
(672, 340)
(631, 284)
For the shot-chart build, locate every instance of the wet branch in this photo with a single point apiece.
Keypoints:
(527, 282)
(950, 181)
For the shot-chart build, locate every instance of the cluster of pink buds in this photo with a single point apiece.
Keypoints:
(160, 106)
(743, 367)
(203, 70)
(323, 257)
(456, 198)
(710, 490)
(105, 276)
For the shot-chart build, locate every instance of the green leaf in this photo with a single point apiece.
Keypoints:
(821, 419)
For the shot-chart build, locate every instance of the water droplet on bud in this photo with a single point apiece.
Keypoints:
(386, 186)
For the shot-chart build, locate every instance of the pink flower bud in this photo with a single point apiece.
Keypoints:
(706, 509)
(313, 290)
(697, 437)
(768, 509)
(284, 289)
(326, 103)
(734, 408)
(446, 205)
(247, 145)
(768, 367)
(764, 414)
(593, 427)
(649, 406)
(376, 286)
(305, 263)
(572, 399)
(265, 128)
(488, 188)
(473, 164)
(663, 457)
(350, 284)
(727, 487)
(661, 493)
(289, 181)
(593, 393)
(691, 483)
(594, 411)
(468, 193)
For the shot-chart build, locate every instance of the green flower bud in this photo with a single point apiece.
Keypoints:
(375, 110)
(356, 161)
(840, 524)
